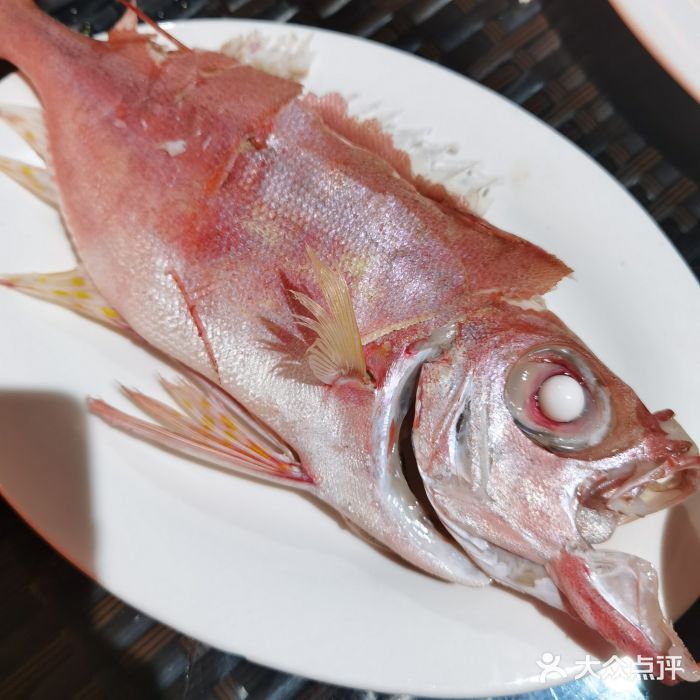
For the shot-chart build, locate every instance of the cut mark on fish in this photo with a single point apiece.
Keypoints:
(72, 289)
(210, 425)
(174, 148)
(377, 335)
(337, 351)
(196, 319)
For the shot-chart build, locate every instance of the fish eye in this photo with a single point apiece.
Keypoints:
(561, 398)
(556, 400)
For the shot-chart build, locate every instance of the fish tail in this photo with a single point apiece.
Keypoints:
(28, 36)
(16, 16)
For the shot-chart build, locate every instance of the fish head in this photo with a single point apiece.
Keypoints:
(532, 451)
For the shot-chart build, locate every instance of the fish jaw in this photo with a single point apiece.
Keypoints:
(529, 507)
(668, 475)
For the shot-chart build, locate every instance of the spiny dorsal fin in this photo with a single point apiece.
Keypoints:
(286, 56)
(125, 26)
(337, 350)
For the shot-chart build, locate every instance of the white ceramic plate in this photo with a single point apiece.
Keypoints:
(262, 571)
(670, 30)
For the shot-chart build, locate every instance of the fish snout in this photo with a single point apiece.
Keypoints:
(669, 474)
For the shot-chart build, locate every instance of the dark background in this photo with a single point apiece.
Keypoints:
(572, 63)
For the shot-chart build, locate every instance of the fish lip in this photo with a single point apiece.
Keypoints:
(652, 483)
(660, 487)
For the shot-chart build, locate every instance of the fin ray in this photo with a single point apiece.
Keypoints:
(37, 180)
(287, 56)
(28, 122)
(211, 426)
(337, 350)
(72, 289)
(133, 7)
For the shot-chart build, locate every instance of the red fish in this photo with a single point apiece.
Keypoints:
(312, 287)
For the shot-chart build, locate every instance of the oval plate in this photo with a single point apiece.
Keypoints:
(262, 571)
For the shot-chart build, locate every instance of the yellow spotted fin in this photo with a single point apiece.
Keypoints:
(28, 122)
(36, 179)
(72, 289)
(209, 425)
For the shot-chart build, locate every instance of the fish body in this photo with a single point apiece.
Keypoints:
(285, 254)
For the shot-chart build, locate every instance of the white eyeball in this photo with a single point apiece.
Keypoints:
(561, 398)
(556, 399)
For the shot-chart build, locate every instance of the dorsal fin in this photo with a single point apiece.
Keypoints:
(495, 261)
(154, 25)
(126, 25)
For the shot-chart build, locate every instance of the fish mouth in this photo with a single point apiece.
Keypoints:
(649, 485)
(617, 593)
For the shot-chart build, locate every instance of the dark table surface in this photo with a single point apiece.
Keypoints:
(573, 64)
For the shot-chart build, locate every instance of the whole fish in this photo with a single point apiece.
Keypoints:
(322, 301)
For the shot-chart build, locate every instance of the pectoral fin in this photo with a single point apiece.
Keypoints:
(337, 351)
(210, 425)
